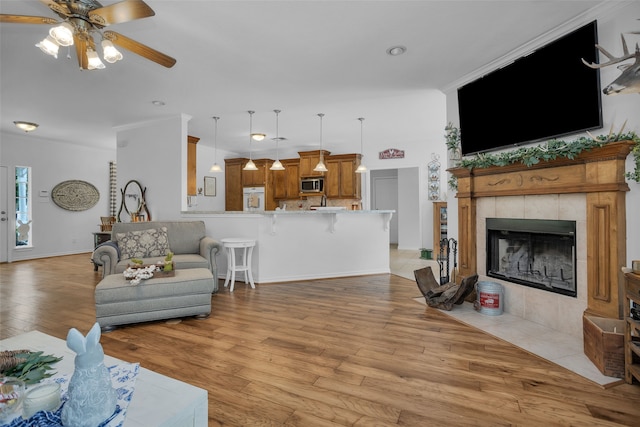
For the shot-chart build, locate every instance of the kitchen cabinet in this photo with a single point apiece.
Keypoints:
(632, 329)
(342, 181)
(257, 178)
(286, 183)
(439, 225)
(309, 160)
(233, 183)
(236, 178)
(263, 177)
(191, 164)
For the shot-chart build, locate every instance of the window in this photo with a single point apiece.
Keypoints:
(23, 206)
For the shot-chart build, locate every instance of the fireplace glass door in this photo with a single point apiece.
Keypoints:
(535, 253)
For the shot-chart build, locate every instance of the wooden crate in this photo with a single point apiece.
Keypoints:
(604, 344)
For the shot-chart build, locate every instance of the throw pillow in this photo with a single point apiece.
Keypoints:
(143, 243)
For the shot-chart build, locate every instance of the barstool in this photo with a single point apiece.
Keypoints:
(233, 243)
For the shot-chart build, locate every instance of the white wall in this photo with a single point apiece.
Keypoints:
(430, 110)
(616, 110)
(155, 154)
(204, 160)
(56, 231)
(409, 212)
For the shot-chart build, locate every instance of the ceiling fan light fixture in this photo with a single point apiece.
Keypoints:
(49, 46)
(94, 60)
(25, 126)
(110, 53)
(62, 34)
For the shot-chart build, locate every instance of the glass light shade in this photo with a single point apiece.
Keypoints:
(215, 168)
(250, 166)
(258, 136)
(62, 34)
(49, 46)
(110, 53)
(277, 166)
(94, 60)
(361, 169)
(320, 167)
(25, 126)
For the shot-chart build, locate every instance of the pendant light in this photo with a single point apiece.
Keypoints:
(361, 168)
(215, 167)
(250, 166)
(277, 165)
(320, 167)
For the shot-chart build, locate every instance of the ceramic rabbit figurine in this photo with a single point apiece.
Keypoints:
(92, 399)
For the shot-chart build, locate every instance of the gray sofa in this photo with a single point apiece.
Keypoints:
(186, 239)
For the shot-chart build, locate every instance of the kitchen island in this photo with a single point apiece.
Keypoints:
(305, 244)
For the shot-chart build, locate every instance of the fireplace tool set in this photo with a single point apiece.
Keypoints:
(444, 260)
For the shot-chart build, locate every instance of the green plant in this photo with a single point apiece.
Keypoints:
(553, 149)
(30, 367)
(452, 137)
(635, 152)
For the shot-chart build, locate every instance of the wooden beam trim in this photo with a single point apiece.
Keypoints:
(599, 219)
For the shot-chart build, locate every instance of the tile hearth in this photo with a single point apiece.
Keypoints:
(560, 348)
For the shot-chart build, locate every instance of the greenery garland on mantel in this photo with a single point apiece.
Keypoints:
(529, 156)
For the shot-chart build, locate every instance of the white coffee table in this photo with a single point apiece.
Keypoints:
(157, 400)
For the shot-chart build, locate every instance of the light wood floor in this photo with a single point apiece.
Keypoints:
(350, 352)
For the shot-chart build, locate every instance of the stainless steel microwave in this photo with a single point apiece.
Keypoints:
(312, 185)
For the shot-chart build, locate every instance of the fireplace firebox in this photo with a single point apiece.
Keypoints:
(533, 252)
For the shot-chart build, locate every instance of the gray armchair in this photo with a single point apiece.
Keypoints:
(191, 247)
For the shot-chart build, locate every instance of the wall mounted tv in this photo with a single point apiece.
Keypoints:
(547, 94)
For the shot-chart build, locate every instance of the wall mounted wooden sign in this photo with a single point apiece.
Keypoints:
(391, 153)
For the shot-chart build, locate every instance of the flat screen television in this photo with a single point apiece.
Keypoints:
(547, 94)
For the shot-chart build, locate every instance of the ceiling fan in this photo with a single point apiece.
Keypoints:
(84, 19)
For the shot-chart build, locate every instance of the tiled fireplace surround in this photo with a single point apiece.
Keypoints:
(590, 190)
(559, 312)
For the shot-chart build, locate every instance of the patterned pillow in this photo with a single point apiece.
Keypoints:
(143, 243)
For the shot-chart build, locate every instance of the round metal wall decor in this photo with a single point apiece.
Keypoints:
(75, 195)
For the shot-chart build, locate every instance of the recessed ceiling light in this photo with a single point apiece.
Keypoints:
(25, 126)
(280, 138)
(158, 103)
(396, 50)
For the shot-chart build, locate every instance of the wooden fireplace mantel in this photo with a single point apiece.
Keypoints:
(598, 173)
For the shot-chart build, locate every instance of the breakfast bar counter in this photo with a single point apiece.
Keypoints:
(305, 244)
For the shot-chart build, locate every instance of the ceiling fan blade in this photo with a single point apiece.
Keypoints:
(81, 44)
(59, 8)
(22, 19)
(125, 11)
(140, 49)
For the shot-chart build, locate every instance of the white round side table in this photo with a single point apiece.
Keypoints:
(247, 245)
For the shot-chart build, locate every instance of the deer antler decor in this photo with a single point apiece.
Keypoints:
(629, 80)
